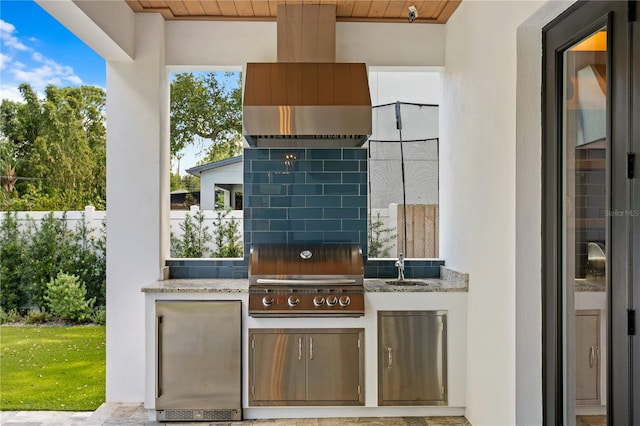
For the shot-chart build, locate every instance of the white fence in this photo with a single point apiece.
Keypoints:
(95, 219)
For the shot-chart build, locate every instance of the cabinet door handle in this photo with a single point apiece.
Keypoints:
(592, 355)
(310, 347)
(299, 348)
(389, 357)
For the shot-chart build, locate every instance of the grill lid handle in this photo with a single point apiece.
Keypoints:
(293, 281)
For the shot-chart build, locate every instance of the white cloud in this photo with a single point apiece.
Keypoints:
(4, 60)
(22, 63)
(41, 72)
(10, 92)
(7, 31)
(48, 73)
(53, 71)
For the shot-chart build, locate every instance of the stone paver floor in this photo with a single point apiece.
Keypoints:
(135, 414)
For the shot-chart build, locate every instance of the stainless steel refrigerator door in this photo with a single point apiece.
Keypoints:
(198, 354)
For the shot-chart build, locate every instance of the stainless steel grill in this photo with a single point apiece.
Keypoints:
(306, 280)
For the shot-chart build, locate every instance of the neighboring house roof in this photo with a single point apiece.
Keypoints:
(197, 171)
(179, 191)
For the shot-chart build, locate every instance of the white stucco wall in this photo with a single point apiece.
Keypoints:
(477, 202)
(423, 87)
(137, 175)
(232, 44)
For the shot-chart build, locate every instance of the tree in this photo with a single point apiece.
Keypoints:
(205, 110)
(8, 175)
(57, 148)
(189, 182)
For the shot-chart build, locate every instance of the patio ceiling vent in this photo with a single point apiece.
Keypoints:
(306, 99)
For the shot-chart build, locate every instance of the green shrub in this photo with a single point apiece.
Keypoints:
(32, 255)
(9, 316)
(227, 239)
(13, 253)
(36, 316)
(195, 237)
(88, 261)
(66, 298)
(378, 238)
(50, 252)
(99, 315)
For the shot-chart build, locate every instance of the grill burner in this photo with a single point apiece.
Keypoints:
(306, 280)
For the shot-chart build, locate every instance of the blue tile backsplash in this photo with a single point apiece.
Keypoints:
(303, 196)
(326, 195)
(236, 269)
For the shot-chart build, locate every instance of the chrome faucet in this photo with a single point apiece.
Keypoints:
(400, 266)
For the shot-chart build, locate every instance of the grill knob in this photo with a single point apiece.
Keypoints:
(344, 300)
(293, 301)
(332, 300)
(318, 301)
(267, 301)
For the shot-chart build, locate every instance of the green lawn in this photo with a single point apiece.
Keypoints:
(52, 368)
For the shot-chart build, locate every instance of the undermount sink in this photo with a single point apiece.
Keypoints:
(407, 282)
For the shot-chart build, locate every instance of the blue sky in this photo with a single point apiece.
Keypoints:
(36, 49)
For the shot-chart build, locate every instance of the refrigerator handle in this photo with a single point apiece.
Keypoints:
(159, 356)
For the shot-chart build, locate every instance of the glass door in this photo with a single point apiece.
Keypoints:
(589, 207)
(584, 226)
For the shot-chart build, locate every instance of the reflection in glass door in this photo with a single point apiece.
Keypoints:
(584, 227)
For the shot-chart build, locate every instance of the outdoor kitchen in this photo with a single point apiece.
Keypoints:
(307, 324)
(482, 345)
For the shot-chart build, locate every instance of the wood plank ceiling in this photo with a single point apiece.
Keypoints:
(429, 11)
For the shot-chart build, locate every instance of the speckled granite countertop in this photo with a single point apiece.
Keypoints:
(589, 285)
(206, 285)
(450, 281)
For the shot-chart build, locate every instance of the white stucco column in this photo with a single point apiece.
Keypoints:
(137, 200)
(478, 193)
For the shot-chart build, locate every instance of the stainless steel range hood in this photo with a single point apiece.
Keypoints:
(306, 99)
